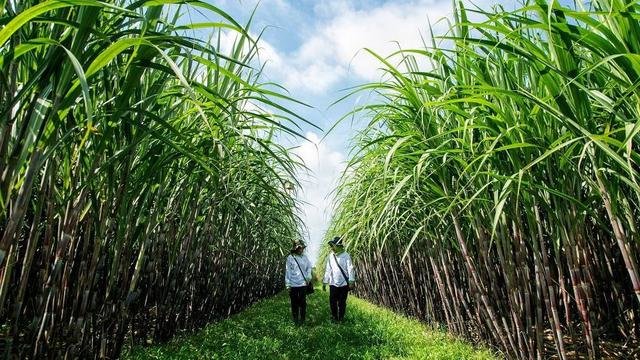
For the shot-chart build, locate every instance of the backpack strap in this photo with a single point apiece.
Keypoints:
(346, 278)
(302, 272)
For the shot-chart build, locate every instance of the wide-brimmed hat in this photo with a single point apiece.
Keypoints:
(336, 241)
(298, 244)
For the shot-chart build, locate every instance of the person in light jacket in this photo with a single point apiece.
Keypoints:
(296, 278)
(340, 275)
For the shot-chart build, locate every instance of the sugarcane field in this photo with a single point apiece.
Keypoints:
(320, 179)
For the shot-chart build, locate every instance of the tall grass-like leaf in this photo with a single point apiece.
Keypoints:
(134, 167)
(513, 156)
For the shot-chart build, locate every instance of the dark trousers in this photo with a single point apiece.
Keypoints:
(338, 301)
(298, 297)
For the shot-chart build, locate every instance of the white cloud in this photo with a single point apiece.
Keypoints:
(334, 47)
(382, 29)
(325, 167)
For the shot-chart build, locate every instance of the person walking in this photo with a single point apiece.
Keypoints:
(296, 278)
(340, 275)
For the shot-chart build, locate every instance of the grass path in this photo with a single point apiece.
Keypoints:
(265, 331)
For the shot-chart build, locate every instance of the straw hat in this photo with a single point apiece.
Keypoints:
(298, 244)
(337, 241)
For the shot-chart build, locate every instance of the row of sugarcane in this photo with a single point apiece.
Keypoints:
(141, 191)
(495, 190)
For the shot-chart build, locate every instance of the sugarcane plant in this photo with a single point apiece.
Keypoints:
(495, 188)
(142, 188)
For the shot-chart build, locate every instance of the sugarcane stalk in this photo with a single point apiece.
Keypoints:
(618, 231)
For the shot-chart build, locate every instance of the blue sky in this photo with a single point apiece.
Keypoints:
(315, 49)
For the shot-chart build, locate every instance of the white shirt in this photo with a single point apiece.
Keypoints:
(332, 274)
(293, 277)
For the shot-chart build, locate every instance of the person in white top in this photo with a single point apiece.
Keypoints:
(340, 275)
(296, 278)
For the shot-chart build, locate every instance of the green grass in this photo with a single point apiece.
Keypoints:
(265, 331)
